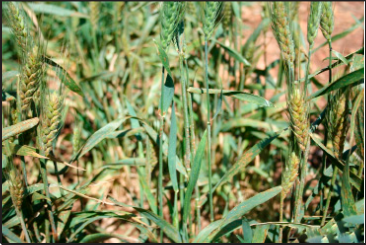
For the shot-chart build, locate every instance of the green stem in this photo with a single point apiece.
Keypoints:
(193, 148)
(307, 69)
(36, 232)
(160, 183)
(305, 154)
(281, 218)
(208, 135)
(324, 159)
(331, 188)
(47, 230)
(187, 155)
(49, 204)
(20, 216)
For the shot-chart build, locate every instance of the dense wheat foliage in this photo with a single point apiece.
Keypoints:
(194, 122)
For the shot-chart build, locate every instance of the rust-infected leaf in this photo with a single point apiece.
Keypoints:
(19, 128)
(22, 150)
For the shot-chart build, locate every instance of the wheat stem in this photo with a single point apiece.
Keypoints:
(49, 204)
(22, 223)
(160, 180)
(281, 218)
(331, 188)
(208, 134)
(324, 158)
(193, 147)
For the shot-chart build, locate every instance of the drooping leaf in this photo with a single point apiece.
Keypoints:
(246, 158)
(65, 77)
(347, 80)
(234, 54)
(340, 56)
(203, 235)
(244, 207)
(246, 122)
(45, 8)
(167, 228)
(19, 128)
(22, 150)
(125, 133)
(243, 96)
(355, 180)
(98, 136)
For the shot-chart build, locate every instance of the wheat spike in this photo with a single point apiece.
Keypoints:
(191, 8)
(94, 14)
(32, 63)
(281, 28)
(298, 108)
(76, 139)
(227, 12)
(51, 120)
(338, 121)
(314, 21)
(18, 25)
(327, 20)
(294, 8)
(290, 174)
(16, 185)
(31, 76)
(211, 12)
(170, 16)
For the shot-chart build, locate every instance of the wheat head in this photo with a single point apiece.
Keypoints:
(327, 20)
(290, 174)
(299, 115)
(314, 21)
(281, 28)
(51, 120)
(211, 12)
